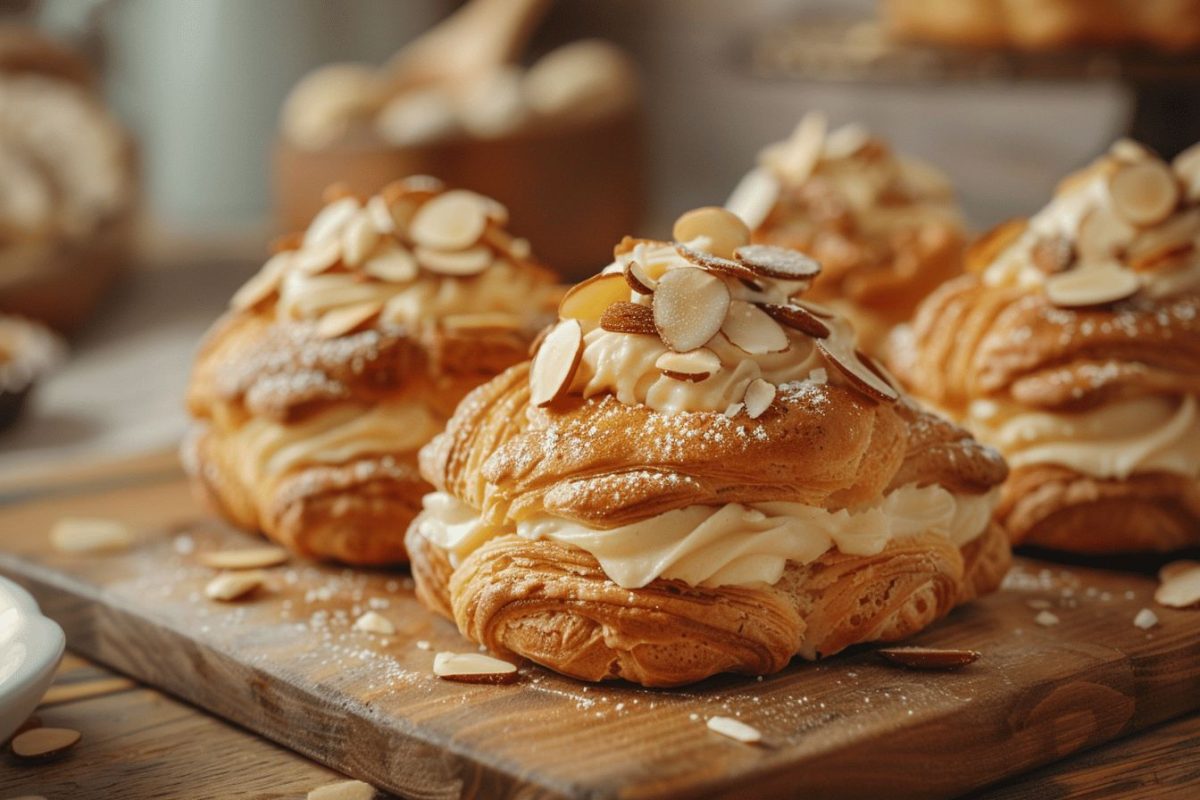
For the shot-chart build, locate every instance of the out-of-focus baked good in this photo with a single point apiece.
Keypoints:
(886, 228)
(1074, 348)
(1047, 24)
(698, 473)
(27, 352)
(346, 353)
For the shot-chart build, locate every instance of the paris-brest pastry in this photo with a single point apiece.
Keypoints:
(885, 228)
(698, 473)
(1074, 349)
(347, 352)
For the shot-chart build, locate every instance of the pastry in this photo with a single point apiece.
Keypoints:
(697, 473)
(1074, 348)
(27, 352)
(885, 228)
(346, 353)
(1046, 24)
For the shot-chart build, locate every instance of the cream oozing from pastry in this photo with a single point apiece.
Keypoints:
(727, 545)
(268, 450)
(1144, 434)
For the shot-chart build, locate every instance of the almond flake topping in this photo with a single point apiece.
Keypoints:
(693, 366)
(587, 301)
(457, 263)
(341, 321)
(473, 668)
(1144, 193)
(752, 330)
(264, 283)
(454, 220)
(777, 262)
(759, 396)
(1092, 286)
(391, 263)
(359, 238)
(862, 376)
(556, 362)
(328, 223)
(638, 279)
(723, 230)
(798, 316)
(754, 197)
(714, 263)
(689, 307)
(1187, 168)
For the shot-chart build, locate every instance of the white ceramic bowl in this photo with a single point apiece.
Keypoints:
(30, 648)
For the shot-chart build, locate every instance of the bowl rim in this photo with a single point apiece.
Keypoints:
(44, 642)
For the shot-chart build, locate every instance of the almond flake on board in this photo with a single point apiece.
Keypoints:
(340, 321)
(82, 535)
(556, 362)
(455, 263)
(230, 586)
(1046, 619)
(1145, 619)
(752, 330)
(1180, 585)
(638, 278)
(929, 657)
(723, 230)
(374, 622)
(1092, 286)
(587, 301)
(693, 366)
(244, 558)
(689, 307)
(795, 315)
(473, 668)
(1144, 193)
(343, 790)
(43, 742)
(454, 220)
(626, 317)
(781, 263)
(734, 729)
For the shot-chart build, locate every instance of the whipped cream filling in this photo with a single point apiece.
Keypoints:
(733, 544)
(267, 449)
(1116, 440)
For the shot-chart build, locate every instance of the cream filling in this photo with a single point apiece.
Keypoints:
(266, 449)
(726, 545)
(1116, 440)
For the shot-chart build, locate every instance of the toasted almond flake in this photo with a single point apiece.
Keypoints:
(629, 243)
(1046, 619)
(802, 151)
(846, 141)
(244, 558)
(317, 258)
(984, 250)
(359, 238)
(1180, 587)
(391, 263)
(340, 321)
(714, 263)
(1164, 256)
(721, 230)
(1092, 286)
(861, 375)
(1053, 254)
(264, 284)
(456, 264)
(929, 657)
(734, 729)
(1186, 167)
(328, 223)
(1145, 619)
(343, 790)
(1129, 151)
(374, 622)
(754, 197)
(587, 301)
(759, 396)
(638, 279)
(81, 535)
(1144, 193)
(734, 409)
(1103, 236)
(229, 586)
(413, 187)
(626, 317)
(689, 307)
(799, 317)
(43, 742)
(1175, 239)
(454, 220)
(379, 211)
(777, 262)
(752, 330)
(693, 366)
(556, 362)
(473, 668)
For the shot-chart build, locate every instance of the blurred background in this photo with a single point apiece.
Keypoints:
(701, 87)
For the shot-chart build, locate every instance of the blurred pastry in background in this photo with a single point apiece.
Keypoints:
(347, 352)
(698, 473)
(559, 142)
(1074, 349)
(27, 352)
(886, 228)
(1047, 24)
(67, 184)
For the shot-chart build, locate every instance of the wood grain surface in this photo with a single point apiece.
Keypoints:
(287, 664)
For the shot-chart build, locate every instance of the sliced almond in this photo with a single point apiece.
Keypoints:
(752, 330)
(929, 657)
(391, 263)
(343, 790)
(1129, 151)
(1171, 241)
(777, 262)
(244, 558)
(328, 223)
(689, 307)
(1103, 236)
(379, 211)
(359, 238)
(80, 535)
(1163, 256)
(714, 263)
(759, 396)
(413, 187)
(454, 220)
(587, 300)
(802, 151)
(317, 258)
(1186, 167)
(229, 586)
(1144, 193)
(693, 366)
(721, 230)
(374, 622)
(846, 141)
(734, 729)
(628, 243)
(755, 197)
(1180, 587)
(264, 284)
(799, 317)
(638, 278)
(341, 321)
(455, 264)
(626, 317)
(557, 359)
(988, 247)
(1093, 286)
(1053, 254)
(44, 742)
(473, 668)
(863, 377)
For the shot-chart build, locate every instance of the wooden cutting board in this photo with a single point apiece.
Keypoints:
(287, 664)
